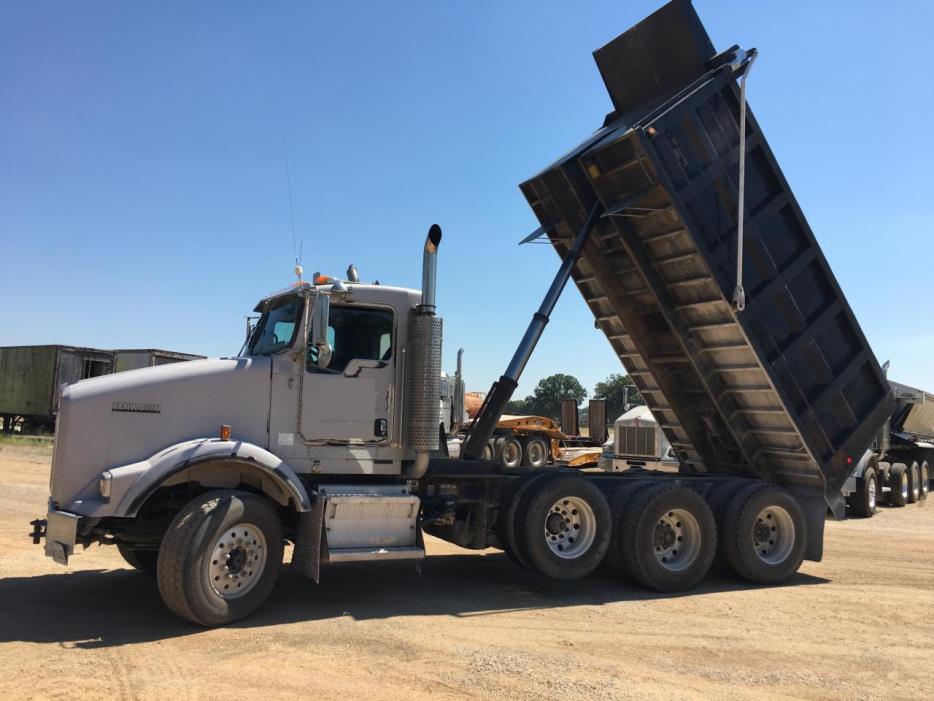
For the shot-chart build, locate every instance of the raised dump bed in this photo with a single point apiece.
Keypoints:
(787, 388)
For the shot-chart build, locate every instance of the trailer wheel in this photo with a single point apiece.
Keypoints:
(882, 481)
(220, 557)
(488, 452)
(564, 527)
(763, 534)
(899, 487)
(669, 538)
(508, 451)
(925, 480)
(864, 500)
(143, 559)
(914, 483)
(619, 507)
(534, 452)
(509, 503)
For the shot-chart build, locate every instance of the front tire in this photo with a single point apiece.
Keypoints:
(220, 557)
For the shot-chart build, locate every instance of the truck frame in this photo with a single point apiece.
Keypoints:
(325, 432)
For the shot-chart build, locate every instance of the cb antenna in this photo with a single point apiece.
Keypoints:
(296, 246)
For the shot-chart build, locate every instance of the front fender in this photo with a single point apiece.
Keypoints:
(132, 485)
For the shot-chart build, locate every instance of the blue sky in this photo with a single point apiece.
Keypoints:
(143, 198)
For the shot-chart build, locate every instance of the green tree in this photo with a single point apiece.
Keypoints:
(613, 389)
(546, 399)
(517, 407)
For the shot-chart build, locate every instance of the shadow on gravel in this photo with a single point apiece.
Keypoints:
(98, 608)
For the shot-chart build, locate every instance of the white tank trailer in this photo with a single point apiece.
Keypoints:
(324, 432)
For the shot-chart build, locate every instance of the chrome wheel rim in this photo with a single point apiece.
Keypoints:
(536, 452)
(904, 487)
(570, 527)
(237, 561)
(871, 489)
(677, 540)
(773, 535)
(512, 453)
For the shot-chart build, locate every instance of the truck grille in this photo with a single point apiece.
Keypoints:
(636, 440)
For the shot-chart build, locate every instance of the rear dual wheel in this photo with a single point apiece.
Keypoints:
(557, 525)
(763, 534)
(925, 480)
(666, 537)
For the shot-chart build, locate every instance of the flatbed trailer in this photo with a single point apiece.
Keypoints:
(325, 433)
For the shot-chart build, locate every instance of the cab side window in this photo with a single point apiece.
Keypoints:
(356, 333)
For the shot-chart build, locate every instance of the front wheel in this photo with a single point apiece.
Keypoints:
(220, 558)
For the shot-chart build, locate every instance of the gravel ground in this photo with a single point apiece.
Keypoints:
(471, 625)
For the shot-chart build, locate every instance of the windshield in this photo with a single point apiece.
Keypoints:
(276, 328)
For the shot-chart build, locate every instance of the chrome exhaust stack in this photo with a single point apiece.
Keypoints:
(423, 374)
(430, 270)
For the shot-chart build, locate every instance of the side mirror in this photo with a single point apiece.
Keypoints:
(319, 349)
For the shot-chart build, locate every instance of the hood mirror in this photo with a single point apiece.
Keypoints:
(318, 349)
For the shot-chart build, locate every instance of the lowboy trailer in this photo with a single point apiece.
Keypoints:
(325, 432)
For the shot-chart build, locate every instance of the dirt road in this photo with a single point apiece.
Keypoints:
(858, 625)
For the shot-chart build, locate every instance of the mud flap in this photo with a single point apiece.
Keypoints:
(306, 556)
(815, 514)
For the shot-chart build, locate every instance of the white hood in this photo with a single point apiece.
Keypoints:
(113, 420)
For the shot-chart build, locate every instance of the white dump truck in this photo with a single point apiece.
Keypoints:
(324, 431)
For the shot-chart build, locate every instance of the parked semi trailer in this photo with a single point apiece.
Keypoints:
(136, 358)
(325, 432)
(896, 470)
(31, 378)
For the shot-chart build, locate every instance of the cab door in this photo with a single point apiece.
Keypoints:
(350, 400)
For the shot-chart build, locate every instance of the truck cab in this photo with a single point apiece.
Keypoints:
(335, 392)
